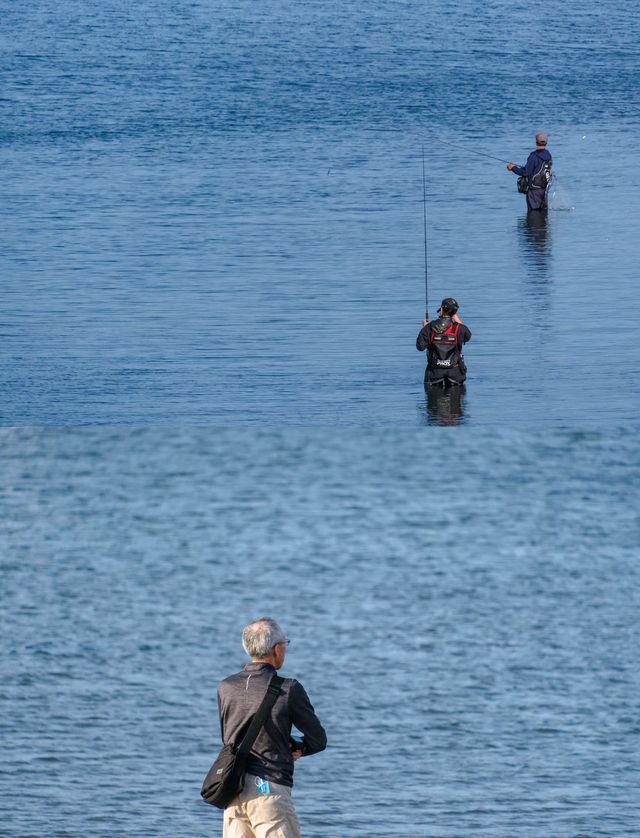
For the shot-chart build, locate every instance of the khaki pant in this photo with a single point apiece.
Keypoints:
(255, 815)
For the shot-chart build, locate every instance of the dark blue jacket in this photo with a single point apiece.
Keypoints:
(534, 163)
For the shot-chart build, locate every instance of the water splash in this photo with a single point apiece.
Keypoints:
(559, 198)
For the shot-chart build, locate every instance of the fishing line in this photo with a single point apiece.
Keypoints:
(483, 154)
(424, 213)
(474, 151)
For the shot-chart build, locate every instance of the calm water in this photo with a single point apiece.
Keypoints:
(474, 656)
(212, 211)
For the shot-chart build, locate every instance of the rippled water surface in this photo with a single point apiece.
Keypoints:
(211, 217)
(472, 649)
(212, 211)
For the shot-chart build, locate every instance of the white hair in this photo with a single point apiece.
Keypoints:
(259, 638)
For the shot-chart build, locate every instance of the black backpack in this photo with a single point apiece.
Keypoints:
(542, 178)
(444, 352)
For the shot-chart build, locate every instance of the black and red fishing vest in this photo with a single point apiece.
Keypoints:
(444, 352)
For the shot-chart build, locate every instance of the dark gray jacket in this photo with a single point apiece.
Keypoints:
(239, 697)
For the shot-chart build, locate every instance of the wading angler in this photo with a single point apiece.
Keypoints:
(535, 176)
(443, 339)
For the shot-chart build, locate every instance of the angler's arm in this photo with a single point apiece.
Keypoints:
(422, 341)
(303, 716)
(529, 168)
(465, 331)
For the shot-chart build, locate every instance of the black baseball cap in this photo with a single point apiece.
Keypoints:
(450, 305)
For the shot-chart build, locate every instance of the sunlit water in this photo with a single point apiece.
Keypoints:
(213, 212)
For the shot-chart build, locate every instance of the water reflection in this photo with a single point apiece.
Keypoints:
(445, 405)
(535, 238)
(534, 234)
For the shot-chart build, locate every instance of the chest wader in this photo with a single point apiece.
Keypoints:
(539, 186)
(541, 180)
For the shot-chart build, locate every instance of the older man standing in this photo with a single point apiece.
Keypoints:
(264, 808)
(537, 172)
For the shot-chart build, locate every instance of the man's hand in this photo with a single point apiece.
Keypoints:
(297, 748)
(456, 319)
(425, 323)
(510, 166)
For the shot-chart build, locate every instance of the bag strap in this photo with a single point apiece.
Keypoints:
(260, 717)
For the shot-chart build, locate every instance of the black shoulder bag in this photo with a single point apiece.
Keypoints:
(225, 778)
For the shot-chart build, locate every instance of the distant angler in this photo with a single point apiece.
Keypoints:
(535, 176)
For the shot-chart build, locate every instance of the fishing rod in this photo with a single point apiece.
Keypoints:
(484, 154)
(424, 213)
(469, 151)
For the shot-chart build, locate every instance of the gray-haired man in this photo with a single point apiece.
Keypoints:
(264, 806)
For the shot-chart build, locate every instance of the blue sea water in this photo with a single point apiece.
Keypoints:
(211, 408)
(212, 211)
(474, 657)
